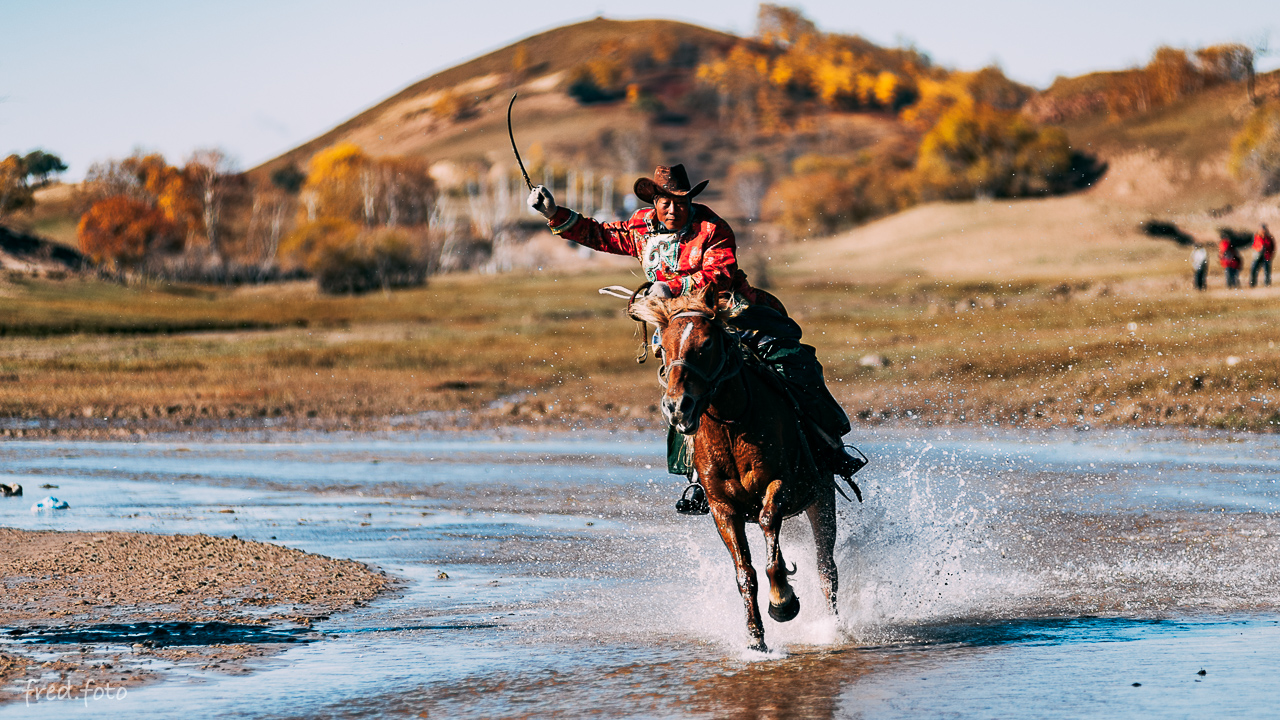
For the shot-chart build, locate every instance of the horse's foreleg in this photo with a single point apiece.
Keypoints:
(734, 534)
(783, 603)
(822, 518)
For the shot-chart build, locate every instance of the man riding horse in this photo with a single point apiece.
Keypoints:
(685, 247)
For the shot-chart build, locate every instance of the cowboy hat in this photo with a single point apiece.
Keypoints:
(670, 181)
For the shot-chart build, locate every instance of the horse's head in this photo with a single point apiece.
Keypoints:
(694, 353)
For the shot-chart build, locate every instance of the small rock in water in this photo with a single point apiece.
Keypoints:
(48, 486)
(1137, 684)
(442, 575)
(50, 503)
(14, 490)
(1202, 672)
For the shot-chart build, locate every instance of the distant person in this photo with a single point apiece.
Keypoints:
(1264, 248)
(1229, 257)
(1200, 264)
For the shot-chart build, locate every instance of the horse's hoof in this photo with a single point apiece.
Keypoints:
(759, 646)
(786, 611)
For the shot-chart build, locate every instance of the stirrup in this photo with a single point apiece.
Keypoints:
(693, 501)
(849, 465)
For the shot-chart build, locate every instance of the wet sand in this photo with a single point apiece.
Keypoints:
(76, 579)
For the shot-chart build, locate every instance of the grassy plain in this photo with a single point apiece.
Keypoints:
(87, 357)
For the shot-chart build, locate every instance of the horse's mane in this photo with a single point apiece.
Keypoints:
(660, 311)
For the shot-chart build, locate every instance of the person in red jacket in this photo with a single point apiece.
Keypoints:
(1264, 248)
(1230, 260)
(684, 246)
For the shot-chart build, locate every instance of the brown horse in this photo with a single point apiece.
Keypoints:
(748, 449)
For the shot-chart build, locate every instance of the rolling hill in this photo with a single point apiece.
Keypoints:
(403, 124)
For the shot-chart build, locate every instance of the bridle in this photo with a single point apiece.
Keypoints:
(714, 379)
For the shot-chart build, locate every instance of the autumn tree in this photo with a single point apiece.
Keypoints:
(345, 183)
(781, 25)
(351, 201)
(791, 68)
(824, 193)
(270, 207)
(125, 232)
(1255, 151)
(977, 150)
(332, 189)
(207, 171)
(149, 203)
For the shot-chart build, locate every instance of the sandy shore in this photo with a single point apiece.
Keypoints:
(74, 579)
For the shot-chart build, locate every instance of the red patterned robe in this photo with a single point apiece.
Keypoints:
(702, 254)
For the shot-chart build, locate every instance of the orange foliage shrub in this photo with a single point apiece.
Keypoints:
(125, 232)
(824, 194)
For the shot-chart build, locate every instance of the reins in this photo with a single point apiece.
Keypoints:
(714, 379)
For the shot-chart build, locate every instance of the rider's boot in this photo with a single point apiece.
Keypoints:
(693, 501)
(845, 464)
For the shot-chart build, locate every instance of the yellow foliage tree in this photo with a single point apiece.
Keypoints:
(886, 89)
(333, 186)
(1255, 151)
(978, 150)
(308, 245)
(777, 77)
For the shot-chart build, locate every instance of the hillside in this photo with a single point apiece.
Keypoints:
(1169, 163)
(401, 124)
(1170, 159)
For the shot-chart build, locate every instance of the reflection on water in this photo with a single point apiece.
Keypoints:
(987, 574)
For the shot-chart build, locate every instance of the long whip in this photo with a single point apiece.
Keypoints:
(512, 135)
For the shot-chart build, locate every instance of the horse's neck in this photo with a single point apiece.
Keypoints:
(730, 400)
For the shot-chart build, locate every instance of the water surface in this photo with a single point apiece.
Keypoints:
(987, 575)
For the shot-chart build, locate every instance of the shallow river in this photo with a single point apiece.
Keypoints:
(994, 574)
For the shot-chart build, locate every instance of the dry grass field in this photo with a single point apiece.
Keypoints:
(86, 357)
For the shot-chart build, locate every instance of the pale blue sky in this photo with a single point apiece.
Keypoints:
(92, 79)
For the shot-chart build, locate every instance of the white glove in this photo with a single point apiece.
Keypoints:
(662, 290)
(540, 199)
